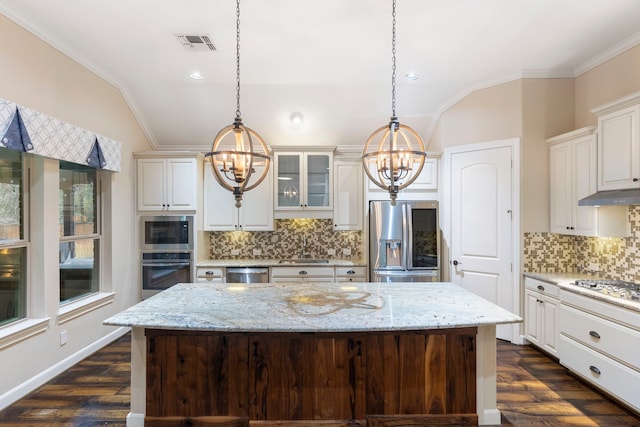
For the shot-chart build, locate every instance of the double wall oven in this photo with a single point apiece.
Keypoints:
(166, 252)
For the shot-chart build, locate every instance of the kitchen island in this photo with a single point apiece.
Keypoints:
(301, 354)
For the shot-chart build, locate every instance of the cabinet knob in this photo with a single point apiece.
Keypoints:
(635, 179)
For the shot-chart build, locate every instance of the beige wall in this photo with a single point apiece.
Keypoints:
(547, 110)
(484, 115)
(35, 75)
(607, 82)
(529, 109)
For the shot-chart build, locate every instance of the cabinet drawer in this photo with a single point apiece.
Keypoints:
(302, 271)
(346, 272)
(603, 335)
(544, 288)
(615, 378)
(204, 274)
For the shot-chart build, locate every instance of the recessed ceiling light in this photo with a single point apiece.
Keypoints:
(411, 76)
(196, 75)
(297, 118)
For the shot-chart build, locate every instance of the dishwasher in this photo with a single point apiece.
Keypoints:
(247, 275)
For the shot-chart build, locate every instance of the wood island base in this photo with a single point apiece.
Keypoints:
(326, 379)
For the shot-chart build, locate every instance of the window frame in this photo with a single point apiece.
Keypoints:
(96, 236)
(23, 241)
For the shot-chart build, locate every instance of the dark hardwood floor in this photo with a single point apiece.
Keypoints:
(533, 389)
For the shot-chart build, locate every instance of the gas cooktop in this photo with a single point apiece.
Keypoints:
(614, 288)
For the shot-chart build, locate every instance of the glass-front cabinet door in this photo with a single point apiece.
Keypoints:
(289, 180)
(318, 177)
(303, 181)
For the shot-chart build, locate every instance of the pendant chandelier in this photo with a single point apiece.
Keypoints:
(237, 152)
(394, 154)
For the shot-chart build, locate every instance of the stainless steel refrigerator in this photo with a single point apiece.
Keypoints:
(404, 241)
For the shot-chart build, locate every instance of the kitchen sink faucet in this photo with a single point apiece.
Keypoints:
(303, 252)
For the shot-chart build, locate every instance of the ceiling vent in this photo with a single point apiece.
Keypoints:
(196, 43)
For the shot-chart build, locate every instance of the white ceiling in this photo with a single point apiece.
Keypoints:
(328, 59)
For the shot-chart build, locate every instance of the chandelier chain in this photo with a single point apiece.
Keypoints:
(238, 59)
(393, 61)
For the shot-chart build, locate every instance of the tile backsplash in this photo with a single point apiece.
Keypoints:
(610, 258)
(286, 241)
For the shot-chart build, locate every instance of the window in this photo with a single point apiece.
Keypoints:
(79, 231)
(13, 246)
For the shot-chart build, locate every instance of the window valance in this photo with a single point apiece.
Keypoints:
(24, 129)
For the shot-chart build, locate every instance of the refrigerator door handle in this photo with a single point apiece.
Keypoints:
(382, 251)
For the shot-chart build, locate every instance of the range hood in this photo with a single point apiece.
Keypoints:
(612, 197)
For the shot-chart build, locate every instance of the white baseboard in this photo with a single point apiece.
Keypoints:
(135, 420)
(43, 377)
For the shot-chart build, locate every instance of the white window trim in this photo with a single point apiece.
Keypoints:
(82, 306)
(21, 330)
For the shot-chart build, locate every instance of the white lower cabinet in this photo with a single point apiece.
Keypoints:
(302, 274)
(351, 274)
(209, 275)
(541, 315)
(603, 351)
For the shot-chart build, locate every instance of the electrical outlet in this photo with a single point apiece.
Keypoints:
(235, 251)
(346, 251)
(257, 252)
(63, 338)
(331, 252)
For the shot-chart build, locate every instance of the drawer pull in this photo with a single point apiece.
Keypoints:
(209, 273)
(302, 272)
(594, 334)
(351, 272)
(595, 370)
(540, 288)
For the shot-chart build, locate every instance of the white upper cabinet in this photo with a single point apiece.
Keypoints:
(167, 184)
(221, 213)
(572, 169)
(347, 195)
(619, 144)
(303, 181)
(427, 180)
(425, 187)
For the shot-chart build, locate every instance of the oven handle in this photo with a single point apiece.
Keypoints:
(166, 264)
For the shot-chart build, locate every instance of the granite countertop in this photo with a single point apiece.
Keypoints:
(313, 307)
(566, 281)
(276, 263)
(560, 278)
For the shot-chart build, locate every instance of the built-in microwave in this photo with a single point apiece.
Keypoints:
(165, 232)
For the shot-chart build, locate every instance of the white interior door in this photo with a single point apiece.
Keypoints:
(482, 226)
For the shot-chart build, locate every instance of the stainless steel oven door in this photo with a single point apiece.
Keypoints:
(161, 270)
